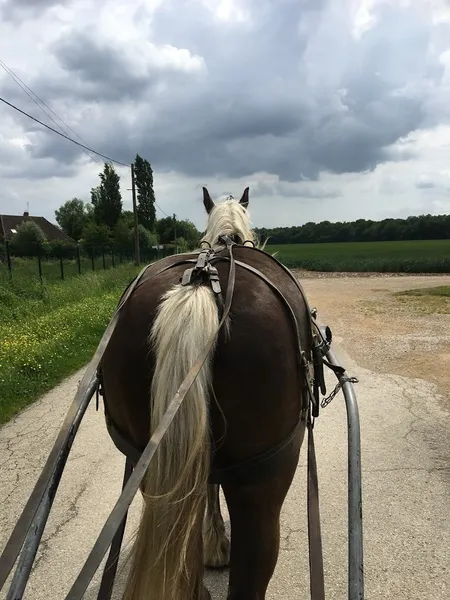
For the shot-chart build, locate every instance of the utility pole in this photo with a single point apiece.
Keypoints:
(137, 253)
(175, 232)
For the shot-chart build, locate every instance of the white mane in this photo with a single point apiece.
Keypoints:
(229, 218)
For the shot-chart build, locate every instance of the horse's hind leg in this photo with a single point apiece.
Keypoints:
(216, 545)
(255, 533)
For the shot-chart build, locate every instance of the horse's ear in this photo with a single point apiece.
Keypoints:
(207, 201)
(244, 198)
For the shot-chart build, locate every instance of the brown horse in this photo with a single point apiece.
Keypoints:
(249, 400)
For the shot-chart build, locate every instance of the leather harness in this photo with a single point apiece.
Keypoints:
(262, 466)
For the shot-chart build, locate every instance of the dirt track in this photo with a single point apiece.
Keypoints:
(405, 426)
(408, 336)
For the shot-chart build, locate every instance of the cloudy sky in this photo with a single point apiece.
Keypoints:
(331, 110)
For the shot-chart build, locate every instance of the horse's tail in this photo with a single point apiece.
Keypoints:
(167, 558)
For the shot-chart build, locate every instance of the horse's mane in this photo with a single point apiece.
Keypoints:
(229, 218)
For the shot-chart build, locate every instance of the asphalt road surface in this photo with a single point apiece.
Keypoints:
(406, 493)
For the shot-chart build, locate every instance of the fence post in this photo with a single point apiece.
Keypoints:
(92, 258)
(103, 257)
(8, 259)
(78, 259)
(61, 265)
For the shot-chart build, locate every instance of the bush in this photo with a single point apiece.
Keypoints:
(29, 239)
(147, 239)
(96, 236)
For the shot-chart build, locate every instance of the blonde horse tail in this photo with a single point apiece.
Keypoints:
(167, 557)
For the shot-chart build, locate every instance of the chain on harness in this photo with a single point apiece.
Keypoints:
(320, 348)
(326, 401)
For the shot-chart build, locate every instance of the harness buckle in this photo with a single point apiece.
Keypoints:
(187, 276)
(214, 280)
(204, 272)
(202, 259)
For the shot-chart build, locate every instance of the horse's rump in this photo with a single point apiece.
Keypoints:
(257, 382)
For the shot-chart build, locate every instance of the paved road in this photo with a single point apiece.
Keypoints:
(406, 472)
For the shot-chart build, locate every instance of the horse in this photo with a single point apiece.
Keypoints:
(242, 424)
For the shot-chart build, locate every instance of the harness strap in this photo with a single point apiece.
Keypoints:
(303, 362)
(252, 470)
(316, 575)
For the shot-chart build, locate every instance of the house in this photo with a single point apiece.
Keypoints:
(10, 223)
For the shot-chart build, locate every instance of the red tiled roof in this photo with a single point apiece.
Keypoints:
(10, 223)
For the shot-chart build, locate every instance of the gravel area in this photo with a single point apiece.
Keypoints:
(407, 336)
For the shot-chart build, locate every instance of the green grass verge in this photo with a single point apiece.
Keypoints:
(28, 268)
(49, 330)
(441, 291)
(420, 256)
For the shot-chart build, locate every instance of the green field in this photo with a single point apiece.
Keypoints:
(420, 256)
(49, 330)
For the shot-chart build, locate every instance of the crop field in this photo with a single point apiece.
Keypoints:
(49, 330)
(419, 256)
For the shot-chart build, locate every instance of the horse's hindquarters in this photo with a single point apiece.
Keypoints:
(258, 398)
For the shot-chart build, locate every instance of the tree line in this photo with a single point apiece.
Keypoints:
(103, 223)
(424, 227)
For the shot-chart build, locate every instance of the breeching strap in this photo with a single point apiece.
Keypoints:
(316, 575)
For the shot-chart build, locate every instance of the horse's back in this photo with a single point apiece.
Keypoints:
(256, 376)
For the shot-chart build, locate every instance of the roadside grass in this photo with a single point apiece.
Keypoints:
(420, 256)
(50, 330)
(441, 290)
(434, 300)
(28, 268)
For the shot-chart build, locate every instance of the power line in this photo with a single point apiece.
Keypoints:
(24, 87)
(163, 211)
(83, 146)
(63, 135)
(156, 204)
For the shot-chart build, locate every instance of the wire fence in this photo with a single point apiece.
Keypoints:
(65, 262)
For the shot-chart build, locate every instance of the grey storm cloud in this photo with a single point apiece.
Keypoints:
(16, 9)
(99, 63)
(95, 70)
(290, 92)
